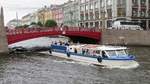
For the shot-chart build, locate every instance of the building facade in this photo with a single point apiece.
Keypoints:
(101, 13)
(44, 14)
(29, 18)
(14, 23)
(141, 12)
(93, 13)
(57, 14)
(71, 13)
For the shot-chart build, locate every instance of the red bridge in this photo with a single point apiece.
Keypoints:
(29, 33)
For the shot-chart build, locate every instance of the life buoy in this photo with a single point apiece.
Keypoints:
(99, 59)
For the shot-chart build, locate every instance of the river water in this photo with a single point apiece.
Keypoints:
(38, 68)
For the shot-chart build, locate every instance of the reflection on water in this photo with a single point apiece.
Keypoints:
(35, 68)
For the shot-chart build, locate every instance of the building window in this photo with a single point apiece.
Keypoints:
(135, 2)
(87, 24)
(86, 16)
(149, 3)
(149, 24)
(109, 23)
(91, 24)
(143, 12)
(149, 13)
(91, 15)
(81, 25)
(82, 16)
(96, 15)
(86, 7)
(101, 24)
(121, 12)
(121, 2)
(103, 14)
(96, 24)
(102, 3)
(91, 6)
(134, 12)
(109, 2)
(82, 8)
(143, 25)
(96, 5)
(143, 2)
(109, 13)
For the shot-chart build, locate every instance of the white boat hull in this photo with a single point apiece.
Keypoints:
(107, 63)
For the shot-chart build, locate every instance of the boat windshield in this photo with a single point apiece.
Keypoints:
(121, 52)
(116, 52)
(111, 53)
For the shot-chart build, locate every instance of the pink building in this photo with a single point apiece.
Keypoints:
(57, 14)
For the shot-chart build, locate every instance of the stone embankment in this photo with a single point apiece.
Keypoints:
(126, 37)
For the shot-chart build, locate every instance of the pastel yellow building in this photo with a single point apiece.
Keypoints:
(44, 14)
(48, 15)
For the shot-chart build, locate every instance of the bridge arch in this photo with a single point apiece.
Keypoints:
(25, 34)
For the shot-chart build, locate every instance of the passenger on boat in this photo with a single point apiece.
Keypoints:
(67, 44)
(87, 51)
(104, 54)
(83, 51)
(55, 43)
(60, 42)
(75, 50)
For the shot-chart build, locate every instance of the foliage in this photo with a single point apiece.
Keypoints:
(39, 24)
(50, 23)
(33, 23)
(25, 26)
(22, 26)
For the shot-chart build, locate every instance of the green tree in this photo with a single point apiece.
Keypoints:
(50, 23)
(19, 26)
(39, 24)
(25, 26)
(33, 23)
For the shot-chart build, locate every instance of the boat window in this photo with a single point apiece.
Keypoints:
(130, 23)
(111, 52)
(97, 52)
(126, 51)
(104, 54)
(121, 52)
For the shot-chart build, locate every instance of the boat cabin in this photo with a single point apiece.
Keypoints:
(98, 50)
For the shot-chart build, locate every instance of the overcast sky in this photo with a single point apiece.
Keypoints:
(23, 7)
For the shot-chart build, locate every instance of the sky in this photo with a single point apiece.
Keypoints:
(23, 7)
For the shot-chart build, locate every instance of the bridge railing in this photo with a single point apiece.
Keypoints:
(81, 29)
(48, 29)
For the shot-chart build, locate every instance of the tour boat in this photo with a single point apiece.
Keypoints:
(116, 56)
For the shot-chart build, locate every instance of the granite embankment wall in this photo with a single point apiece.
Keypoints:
(126, 37)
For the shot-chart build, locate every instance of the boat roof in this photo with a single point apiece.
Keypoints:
(111, 48)
(98, 47)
